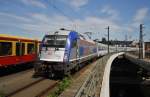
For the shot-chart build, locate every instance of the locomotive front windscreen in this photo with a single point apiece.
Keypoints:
(55, 41)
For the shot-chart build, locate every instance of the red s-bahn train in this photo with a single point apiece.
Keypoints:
(17, 50)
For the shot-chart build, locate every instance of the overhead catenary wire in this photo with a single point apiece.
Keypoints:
(51, 2)
(74, 26)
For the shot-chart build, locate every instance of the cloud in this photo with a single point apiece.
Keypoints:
(110, 12)
(40, 20)
(45, 23)
(13, 16)
(40, 17)
(77, 4)
(95, 24)
(36, 3)
(140, 16)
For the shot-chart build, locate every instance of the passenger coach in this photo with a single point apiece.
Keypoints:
(17, 50)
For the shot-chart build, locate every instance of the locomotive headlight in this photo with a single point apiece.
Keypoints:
(65, 56)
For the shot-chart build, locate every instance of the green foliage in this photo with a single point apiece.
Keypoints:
(2, 94)
(61, 87)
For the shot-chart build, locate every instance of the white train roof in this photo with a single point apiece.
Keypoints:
(64, 32)
(59, 32)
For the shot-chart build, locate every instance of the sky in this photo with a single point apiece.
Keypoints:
(35, 18)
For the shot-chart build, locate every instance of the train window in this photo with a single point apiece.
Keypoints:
(55, 41)
(31, 48)
(23, 49)
(5, 48)
(18, 50)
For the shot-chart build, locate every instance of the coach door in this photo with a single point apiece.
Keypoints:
(36, 47)
(18, 49)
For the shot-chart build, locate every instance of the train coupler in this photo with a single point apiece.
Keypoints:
(39, 70)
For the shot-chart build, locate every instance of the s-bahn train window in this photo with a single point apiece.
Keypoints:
(18, 50)
(23, 49)
(31, 48)
(5, 48)
(55, 41)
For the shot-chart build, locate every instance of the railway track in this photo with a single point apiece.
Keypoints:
(42, 87)
(11, 76)
(22, 88)
(36, 89)
(22, 84)
(15, 69)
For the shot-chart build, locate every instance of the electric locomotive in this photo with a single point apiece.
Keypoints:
(63, 51)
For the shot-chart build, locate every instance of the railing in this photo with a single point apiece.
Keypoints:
(136, 53)
(147, 54)
(91, 87)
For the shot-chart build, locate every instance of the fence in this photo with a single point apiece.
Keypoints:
(136, 53)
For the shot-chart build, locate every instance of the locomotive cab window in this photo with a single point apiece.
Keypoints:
(55, 41)
(5, 48)
(31, 48)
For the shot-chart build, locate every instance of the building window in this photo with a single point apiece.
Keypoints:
(5, 48)
(31, 49)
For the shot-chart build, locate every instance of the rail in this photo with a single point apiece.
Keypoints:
(25, 87)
